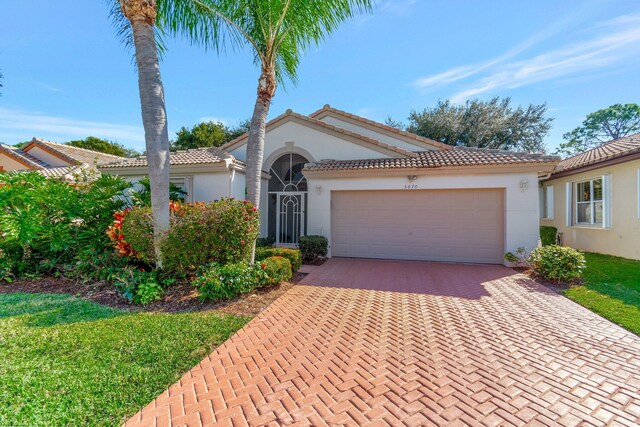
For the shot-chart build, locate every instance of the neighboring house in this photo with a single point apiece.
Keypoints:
(51, 159)
(374, 191)
(593, 199)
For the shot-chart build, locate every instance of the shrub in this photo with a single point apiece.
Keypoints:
(277, 269)
(45, 222)
(519, 257)
(138, 285)
(293, 255)
(313, 247)
(221, 232)
(548, 235)
(265, 242)
(218, 282)
(557, 263)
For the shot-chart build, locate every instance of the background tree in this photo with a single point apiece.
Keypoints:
(483, 124)
(600, 127)
(103, 146)
(207, 134)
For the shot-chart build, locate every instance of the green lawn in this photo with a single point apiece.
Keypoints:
(612, 289)
(66, 361)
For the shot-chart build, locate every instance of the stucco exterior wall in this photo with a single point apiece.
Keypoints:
(47, 157)
(8, 164)
(623, 237)
(366, 131)
(521, 207)
(320, 145)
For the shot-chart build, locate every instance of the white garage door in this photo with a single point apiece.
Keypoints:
(433, 225)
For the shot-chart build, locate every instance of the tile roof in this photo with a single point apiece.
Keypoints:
(329, 109)
(23, 157)
(67, 172)
(196, 156)
(457, 156)
(320, 123)
(609, 151)
(72, 154)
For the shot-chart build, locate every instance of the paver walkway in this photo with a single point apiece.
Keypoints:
(473, 345)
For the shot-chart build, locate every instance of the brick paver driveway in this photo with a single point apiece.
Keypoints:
(473, 345)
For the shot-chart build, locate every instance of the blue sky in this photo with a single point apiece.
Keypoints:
(66, 75)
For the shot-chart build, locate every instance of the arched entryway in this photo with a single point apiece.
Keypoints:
(287, 200)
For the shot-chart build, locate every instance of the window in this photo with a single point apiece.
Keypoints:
(589, 202)
(184, 183)
(546, 208)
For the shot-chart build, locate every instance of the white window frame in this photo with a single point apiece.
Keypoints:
(547, 202)
(186, 182)
(638, 193)
(572, 202)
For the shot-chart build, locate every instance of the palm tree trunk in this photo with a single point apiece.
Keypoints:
(154, 119)
(255, 143)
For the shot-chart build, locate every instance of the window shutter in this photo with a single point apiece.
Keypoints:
(606, 201)
(550, 207)
(569, 202)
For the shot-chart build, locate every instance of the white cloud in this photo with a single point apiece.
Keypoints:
(397, 7)
(47, 87)
(463, 72)
(611, 42)
(31, 123)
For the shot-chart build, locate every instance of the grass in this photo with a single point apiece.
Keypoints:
(67, 361)
(612, 289)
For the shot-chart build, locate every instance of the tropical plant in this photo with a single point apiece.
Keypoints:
(142, 194)
(600, 127)
(277, 31)
(47, 222)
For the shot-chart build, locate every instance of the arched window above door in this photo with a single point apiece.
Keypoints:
(286, 173)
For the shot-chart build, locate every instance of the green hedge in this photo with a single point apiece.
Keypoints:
(277, 269)
(220, 232)
(219, 282)
(293, 255)
(548, 235)
(313, 247)
(557, 263)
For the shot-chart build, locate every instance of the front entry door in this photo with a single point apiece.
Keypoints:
(290, 218)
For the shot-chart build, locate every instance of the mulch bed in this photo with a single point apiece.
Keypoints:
(179, 297)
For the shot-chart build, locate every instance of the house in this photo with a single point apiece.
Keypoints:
(51, 159)
(593, 199)
(374, 191)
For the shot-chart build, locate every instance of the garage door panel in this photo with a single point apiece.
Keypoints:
(438, 225)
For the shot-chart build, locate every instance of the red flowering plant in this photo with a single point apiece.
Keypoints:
(199, 233)
(115, 233)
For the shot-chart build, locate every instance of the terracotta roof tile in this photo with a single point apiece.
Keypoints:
(196, 156)
(457, 156)
(328, 108)
(23, 157)
(67, 172)
(72, 154)
(609, 151)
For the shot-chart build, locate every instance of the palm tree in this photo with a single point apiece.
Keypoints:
(141, 24)
(136, 20)
(278, 31)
